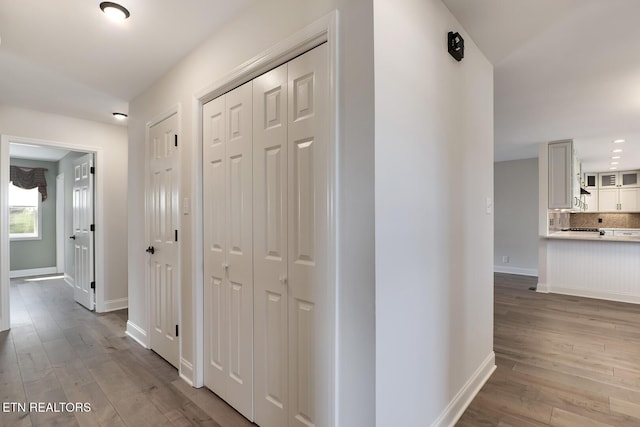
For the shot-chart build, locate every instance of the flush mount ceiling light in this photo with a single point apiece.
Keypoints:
(114, 11)
(618, 141)
(614, 163)
(615, 157)
(120, 116)
(613, 168)
(618, 150)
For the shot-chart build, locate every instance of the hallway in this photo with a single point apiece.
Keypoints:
(57, 351)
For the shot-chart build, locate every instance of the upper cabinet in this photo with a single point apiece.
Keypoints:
(627, 179)
(564, 177)
(590, 180)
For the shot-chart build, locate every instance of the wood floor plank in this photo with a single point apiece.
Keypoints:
(574, 360)
(57, 351)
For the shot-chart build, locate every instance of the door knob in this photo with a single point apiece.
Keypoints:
(151, 250)
(72, 237)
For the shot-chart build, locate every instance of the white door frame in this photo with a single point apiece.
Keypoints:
(60, 237)
(5, 140)
(323, 30)
(147, 235)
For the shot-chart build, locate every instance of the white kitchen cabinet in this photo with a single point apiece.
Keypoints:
(564, 177)
(625, 179)
(608, 200)
(619, 200)
(629, 199)
(590, 180)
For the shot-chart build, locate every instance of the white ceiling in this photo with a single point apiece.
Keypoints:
(36, 152)
(563, 69)
(66, 57)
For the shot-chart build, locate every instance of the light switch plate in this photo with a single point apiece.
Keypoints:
(186, 206)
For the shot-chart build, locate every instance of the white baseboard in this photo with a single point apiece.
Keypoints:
(542, 288)
(116, 304)
(590, 293)
(186, 371)
(33, 272)
(137, 333)
(69, 280)
(516, 270)
(463, 398)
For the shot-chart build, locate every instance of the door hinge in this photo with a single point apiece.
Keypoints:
(175, 140)
(177, 331)
(176, 236)
(92, 170)
(93, 227)
(93, 285)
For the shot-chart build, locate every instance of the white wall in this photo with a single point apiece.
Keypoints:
(113, 141)
(433, 239)
(516, 216)
(250, 33)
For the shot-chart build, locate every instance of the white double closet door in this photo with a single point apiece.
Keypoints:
(265, 169)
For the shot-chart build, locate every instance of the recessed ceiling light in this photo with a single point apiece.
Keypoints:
(615, 157)
(114, 11)
(120, 116)
(614, 163)
(618, 150)
(613, 168)
(618, 141)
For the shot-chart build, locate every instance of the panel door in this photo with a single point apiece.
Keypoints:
(608, 200)
(270, 247)
(630, 199)
(82, 234)
(307, 173)
(229, 247)
(163, 268)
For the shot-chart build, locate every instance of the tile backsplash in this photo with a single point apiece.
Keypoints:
(609, 220)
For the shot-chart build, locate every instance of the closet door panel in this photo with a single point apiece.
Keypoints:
(270, 247)
(239, 285)
(215, 245)
(308, 331)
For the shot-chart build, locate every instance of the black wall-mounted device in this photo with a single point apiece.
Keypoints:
(456, 46)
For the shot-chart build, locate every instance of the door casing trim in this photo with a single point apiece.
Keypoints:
(5, 140)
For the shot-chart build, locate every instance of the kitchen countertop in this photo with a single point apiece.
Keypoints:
(586, 235)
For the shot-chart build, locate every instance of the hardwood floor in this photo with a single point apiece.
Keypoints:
(56, 351)
(561, 361)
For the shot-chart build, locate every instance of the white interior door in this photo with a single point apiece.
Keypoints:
(228, 241)
(270, 247)
(310, 317)
(163, 268)
(83, 234)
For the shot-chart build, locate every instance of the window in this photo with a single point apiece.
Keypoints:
(24, 214)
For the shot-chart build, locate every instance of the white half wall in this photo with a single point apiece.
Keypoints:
(433, 234)
(516, 217)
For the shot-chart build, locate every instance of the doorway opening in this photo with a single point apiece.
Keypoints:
(48, 212)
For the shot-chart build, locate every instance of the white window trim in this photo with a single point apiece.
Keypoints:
(18, 238)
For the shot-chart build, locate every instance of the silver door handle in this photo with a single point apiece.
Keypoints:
(225, 266)
(283, 280)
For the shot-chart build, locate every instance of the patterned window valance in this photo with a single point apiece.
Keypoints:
(29, 178)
